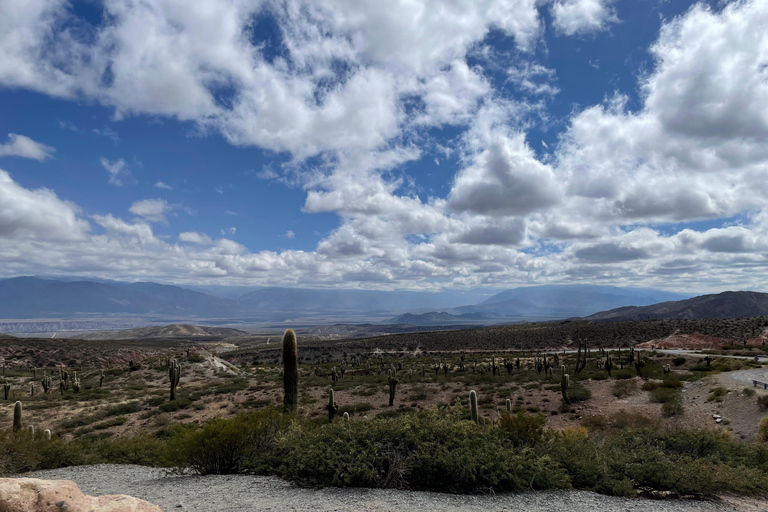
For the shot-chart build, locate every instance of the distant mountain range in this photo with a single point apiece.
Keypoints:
(546, 302)
(34, 297)
(81, 300)
(721, 305)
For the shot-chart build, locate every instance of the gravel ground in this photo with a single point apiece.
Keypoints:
(236, 493)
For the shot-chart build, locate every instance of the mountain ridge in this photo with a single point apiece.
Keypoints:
(729, 304)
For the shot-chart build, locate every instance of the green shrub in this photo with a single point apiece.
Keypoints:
(762, 401)
(225, 446)
(762, 431)
(623, 374)
(624, 388)
(678, 361)
(662, 395)
(578, 393)
(523, 428)
(716, 394)
(673, 408)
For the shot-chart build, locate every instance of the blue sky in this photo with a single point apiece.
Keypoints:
(428, 145)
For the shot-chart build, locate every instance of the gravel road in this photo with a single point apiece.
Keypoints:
(240, 493)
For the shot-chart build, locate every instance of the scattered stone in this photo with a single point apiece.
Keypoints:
(35, 495)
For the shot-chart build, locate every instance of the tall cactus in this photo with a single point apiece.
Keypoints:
(565, 381)
(473, 406)
(290, 371)
(75, 384)
(31, 430)
(6, 390)
(509, 405)
(392, 381)
(332, 407)
(101, 378)
(47, 383)
(17, 416)
(174, 375)
(608, 364)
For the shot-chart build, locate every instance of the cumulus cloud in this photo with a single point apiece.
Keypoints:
(505, 179)
(152, 210)
(24, 147)
(37, 214)
(361, 84)
(163, 186)
(575, 17)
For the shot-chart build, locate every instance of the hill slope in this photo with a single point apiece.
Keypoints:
(167, 331)
(721, 305)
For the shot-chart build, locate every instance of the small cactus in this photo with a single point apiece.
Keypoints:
(31, 430)
(565, 381)
(47, 434)
(608, 364)
(509, 405)
(290, 371)
(346, 417)
(47, 383)
(473, 406)
(392, 381)
(75, 384)
(333, 408)
(174, 375)
(6, 390)
(17, 416)
(101, 378)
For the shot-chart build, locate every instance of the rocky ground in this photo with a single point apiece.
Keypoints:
(241, 493)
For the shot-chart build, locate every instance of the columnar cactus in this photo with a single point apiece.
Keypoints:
(47, 383)
(101, 378)
(31, 430)
(565, 381)
(290, 371)
(509, 405)
(174, 375)
(6, 390)
(76, 384)
(608, 364)
(392, 381)
(333, 408)
(473, 406)
(31, 389)
(17, 416)
(47, 434)
(346, 417)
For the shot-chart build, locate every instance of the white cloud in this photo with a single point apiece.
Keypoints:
(360, 83)
(24, 147)
(119, 174)
(572, 17)
(163, 186)
(289, 234)
(37, 214)
(505, 179)
(152, 210)
(195, 238)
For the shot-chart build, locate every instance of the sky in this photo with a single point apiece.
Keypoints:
(409, 144)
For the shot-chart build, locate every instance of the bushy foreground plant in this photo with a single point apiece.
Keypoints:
(440, 450)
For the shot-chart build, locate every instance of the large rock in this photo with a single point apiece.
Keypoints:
(35, 495)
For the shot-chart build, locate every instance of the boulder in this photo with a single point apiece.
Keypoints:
(35, 495)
